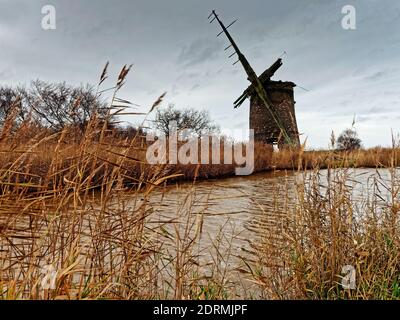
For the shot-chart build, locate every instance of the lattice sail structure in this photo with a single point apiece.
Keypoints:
(272, 104)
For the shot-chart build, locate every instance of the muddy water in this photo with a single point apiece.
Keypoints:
(236, 205)
(234, 215)
(229, 219)
(247, 201)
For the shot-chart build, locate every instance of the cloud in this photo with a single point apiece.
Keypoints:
(376, 76)
(6, 74)
(198, 52)
(174, 49)
(378, 110)
(361, 119)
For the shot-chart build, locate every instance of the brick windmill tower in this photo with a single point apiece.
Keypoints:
(272, 105)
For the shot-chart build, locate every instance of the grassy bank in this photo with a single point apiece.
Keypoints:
(377, 157)
(44, 160)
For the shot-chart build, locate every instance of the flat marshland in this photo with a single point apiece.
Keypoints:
(110, 226)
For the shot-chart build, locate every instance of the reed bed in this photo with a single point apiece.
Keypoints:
(334, 233)
(78, 215)
(378, 157)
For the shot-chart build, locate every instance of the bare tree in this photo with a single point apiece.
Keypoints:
(198, 122)
(11, 98)
(58, 105)
(349, 140)
(52, 105)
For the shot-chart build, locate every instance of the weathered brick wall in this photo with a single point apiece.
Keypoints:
(265, 128)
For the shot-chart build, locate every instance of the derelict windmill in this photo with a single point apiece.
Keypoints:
(272, 112)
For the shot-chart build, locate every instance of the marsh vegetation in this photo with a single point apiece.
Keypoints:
(115, 227)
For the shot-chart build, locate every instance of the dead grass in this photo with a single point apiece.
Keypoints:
(377, 157)
(330, 229)
(64, 204)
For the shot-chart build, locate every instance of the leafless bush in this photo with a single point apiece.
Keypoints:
(198, 122)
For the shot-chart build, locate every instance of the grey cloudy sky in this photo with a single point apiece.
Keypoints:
(174, 49)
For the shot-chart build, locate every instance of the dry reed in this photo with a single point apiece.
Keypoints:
(64, 204)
